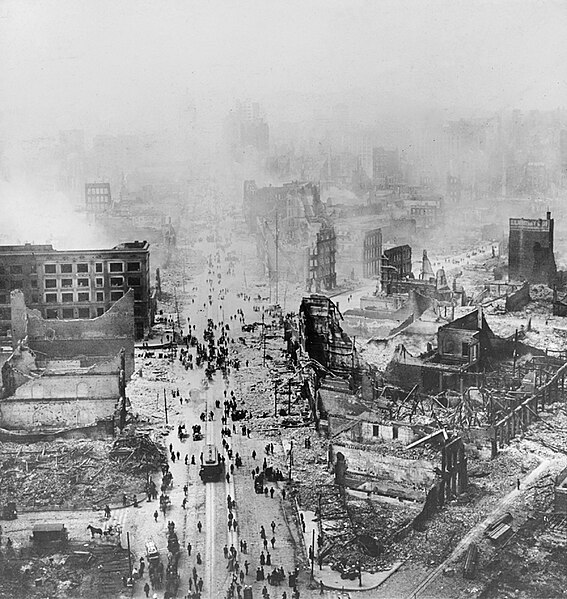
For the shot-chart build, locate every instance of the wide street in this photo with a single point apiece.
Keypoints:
(213, 294)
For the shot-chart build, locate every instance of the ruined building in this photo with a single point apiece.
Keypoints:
(396, 265)
(321, 335)
(530, 253)
(322, 261)
(359, 252)
(67, 374)
(98, 198)
(72, 284)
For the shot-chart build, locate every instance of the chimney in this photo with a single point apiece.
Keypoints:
(479, 314)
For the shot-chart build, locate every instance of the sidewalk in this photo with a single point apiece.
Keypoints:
(331, 579)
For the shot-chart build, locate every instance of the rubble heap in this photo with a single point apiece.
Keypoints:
(64, 473)
(138, 453)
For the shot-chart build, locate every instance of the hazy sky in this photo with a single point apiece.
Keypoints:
(109, 65)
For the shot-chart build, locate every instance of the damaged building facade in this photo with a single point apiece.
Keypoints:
(71, 284)
(67, 374)
(530, 250)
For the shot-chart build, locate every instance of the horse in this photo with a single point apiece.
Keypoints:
(94, 531)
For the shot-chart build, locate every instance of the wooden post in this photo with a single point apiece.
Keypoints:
(165, 406)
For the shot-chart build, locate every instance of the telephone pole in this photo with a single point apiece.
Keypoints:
(277, 259)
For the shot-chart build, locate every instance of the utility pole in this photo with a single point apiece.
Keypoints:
(165, 405)
(289, 397)
(515, 354)
(275, 399)
(263, 339)
(290, 459)
(312, 553)
(277, 259)
(129, 556)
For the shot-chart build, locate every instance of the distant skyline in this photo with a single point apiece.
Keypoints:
(107, 66)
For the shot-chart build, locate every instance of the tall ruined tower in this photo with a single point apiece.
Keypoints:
(530, 252)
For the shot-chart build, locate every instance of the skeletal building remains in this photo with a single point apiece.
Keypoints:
(531, 250)
(67, 374)
(321, 335)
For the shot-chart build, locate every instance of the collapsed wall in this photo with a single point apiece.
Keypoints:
(66, 373)
(61, 396)
(93, 340)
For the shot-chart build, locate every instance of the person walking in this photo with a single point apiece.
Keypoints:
(147, 589)
(273, 542)
(273, 526)
(156, 515)
(199, 526)
(246, 566)
(189, 549)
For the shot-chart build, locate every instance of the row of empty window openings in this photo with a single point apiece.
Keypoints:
(99, 267)
(81, 267)
(68, 283)
(52, 298)
(99, 282)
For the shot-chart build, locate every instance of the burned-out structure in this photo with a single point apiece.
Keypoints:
(69, 284)
(322, 337)
(396, 265)
(464, 345)
(530, 250)
(322, 261)
(66, 374)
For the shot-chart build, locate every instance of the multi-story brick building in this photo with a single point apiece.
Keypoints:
(530, 250)
(72, 284)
